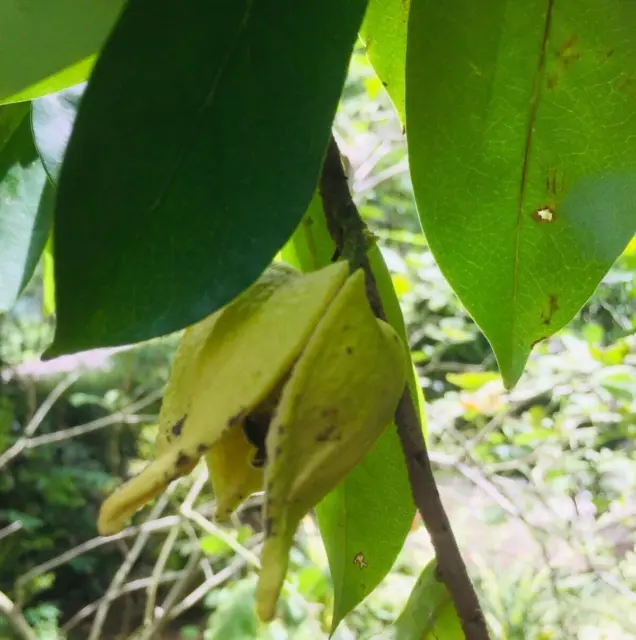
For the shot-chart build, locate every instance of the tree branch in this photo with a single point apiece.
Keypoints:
(352, 242)
(15, 619)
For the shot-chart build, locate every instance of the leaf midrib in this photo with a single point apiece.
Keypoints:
(532, 116)
(205, 105)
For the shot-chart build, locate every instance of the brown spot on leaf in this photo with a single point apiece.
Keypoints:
(349, 350)
(182, 459)
(626, 83)
(177, 427)
(536, 342)
(268, 528)
(552, 81)
(544, 215)
(360, 561)
(568, 52)
(551, 309)
(554, 183)
(329, 434)
(202, 448)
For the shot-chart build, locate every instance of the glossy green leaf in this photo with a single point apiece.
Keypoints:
(52, 120)
(24, 222)
(48, 275)
(384, 34)
(195, 153)
(429, 613)
(47, 45)
(520, 126)
(70, 77)
(365, 520)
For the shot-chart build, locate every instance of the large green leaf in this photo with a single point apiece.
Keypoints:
(384, 35)
(195, 153)
(521, 128)
(49, 44)
(365, 520)
(52, 119)
(24, 221)
(429, 613)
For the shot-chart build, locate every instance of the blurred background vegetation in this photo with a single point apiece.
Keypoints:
(539, 482)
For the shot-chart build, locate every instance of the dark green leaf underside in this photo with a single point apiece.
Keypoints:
(194, 155)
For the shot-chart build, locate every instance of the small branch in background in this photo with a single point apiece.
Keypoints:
(157, 572)
(15, 619)
(152, 526)
(129, 587)
(126, 415)
(17, 447)
(14, 527)
(213, 582)
(172, 599)
(166, 549)
(351, 237)
(126, 566)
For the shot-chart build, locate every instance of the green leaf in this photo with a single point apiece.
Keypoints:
(52, 120)
(48, 45)
(384, 34)
(365, 520)
(25, 221)
(429, 613)
(472, 380)
(195, 153)
(520, 133)
(48, 276)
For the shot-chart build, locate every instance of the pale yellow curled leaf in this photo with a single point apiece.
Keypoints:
(233, 476)
(248, 350)
(341, 395)
(252, 347)
(178, 393)
(180, 388)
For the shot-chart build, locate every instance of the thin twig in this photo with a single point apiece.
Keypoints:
(157, 572)
(129, 587)
(126, 566)
(214, 530)
(151, 526)
(166, 548)
(41, 413)
(14, 527)
(215, 581)
(15, 619)
(351, 237)
(173, 597)
(125, 415)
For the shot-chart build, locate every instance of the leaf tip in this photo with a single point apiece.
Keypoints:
(512, 364)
